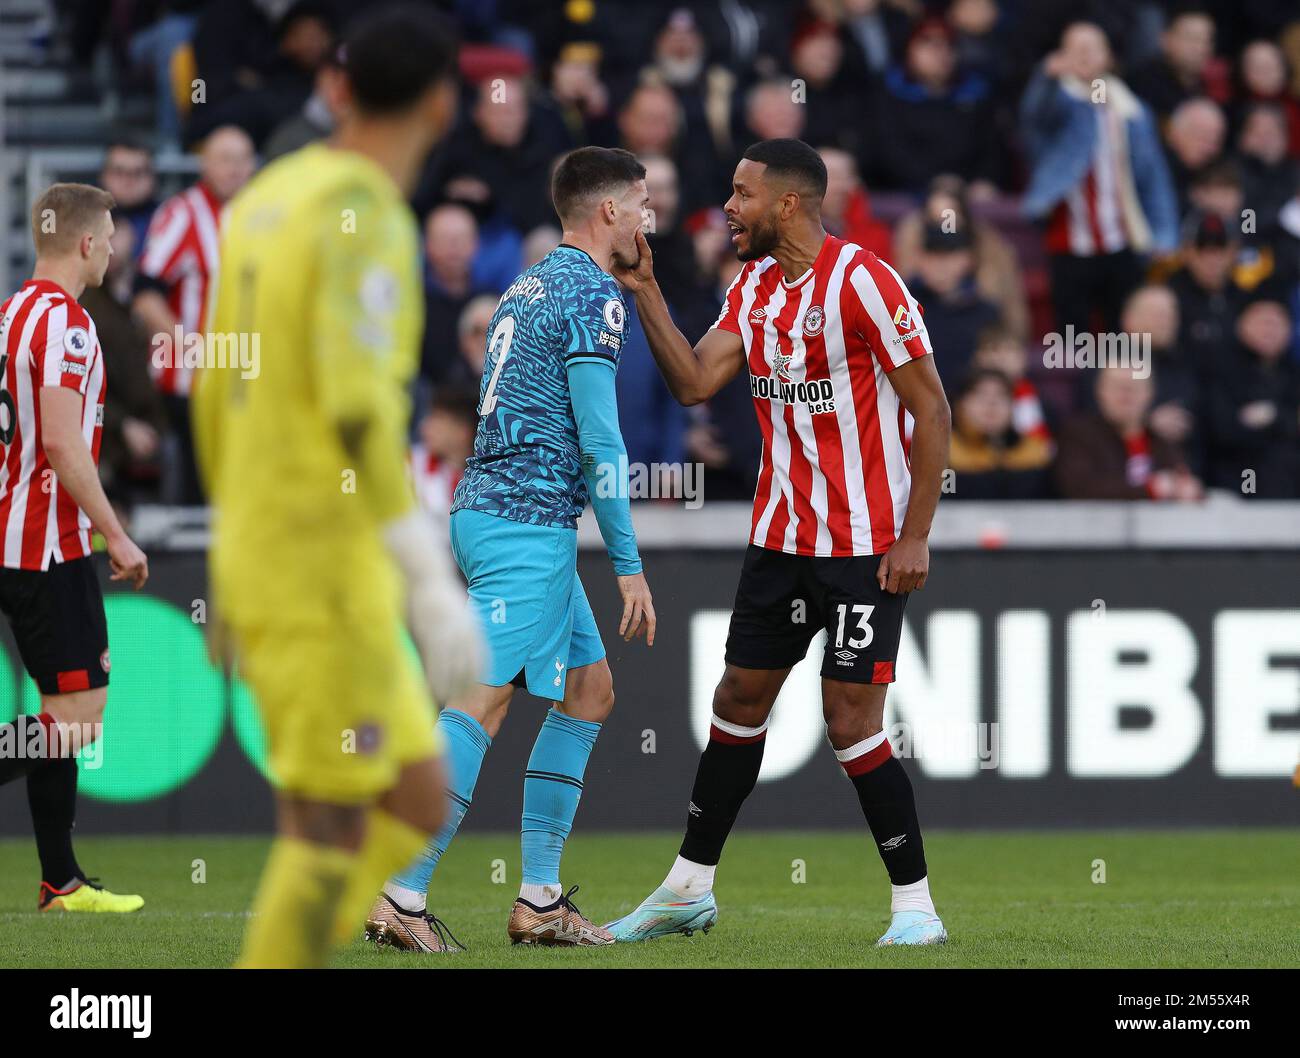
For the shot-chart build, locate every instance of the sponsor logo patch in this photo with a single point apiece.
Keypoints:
(615, 315)
(369, 736)
(76, 342)
(817, 394)
(904, 320)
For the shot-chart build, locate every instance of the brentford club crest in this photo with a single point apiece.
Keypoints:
(813, 322)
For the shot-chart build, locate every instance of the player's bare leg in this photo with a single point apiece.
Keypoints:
(854, 714)
(399, 915)
(544, 913)
(728, 770)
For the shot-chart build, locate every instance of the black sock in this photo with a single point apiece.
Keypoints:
(52, 797)
(885, 793)
(726, 775)
(22, 746)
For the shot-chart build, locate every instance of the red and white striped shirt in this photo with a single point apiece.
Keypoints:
(435, 481)
(180, 252)
(834, 478)
(1090, 220)
(46, 339)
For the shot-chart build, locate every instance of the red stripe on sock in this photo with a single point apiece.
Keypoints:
(869, 761)
(51, 734)
(716, 734)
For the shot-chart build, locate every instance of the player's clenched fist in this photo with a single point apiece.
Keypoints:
(638, 609)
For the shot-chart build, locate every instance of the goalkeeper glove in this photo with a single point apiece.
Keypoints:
(444, 628)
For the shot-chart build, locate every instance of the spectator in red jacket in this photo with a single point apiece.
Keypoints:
(846, 210)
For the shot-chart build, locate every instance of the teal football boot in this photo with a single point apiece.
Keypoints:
(663, 913)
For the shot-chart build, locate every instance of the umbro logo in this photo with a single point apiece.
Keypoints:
(758, 316)
(694, 810)
(893, 843)
(845, 655)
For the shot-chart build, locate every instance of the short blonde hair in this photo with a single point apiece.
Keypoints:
(66, 212)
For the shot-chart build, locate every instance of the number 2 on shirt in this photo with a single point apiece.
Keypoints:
(503, 334)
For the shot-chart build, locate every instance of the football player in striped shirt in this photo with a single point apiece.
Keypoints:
(51, 418)
(838, 356)
(178, 262)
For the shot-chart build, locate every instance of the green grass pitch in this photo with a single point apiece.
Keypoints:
(1027, 899)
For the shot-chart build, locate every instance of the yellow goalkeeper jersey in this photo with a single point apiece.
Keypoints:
(303, 451)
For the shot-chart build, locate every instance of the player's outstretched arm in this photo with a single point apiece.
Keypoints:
(73, 465)
(693, 374)
(604, 466)
(907, 564)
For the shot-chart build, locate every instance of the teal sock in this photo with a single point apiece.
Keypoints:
(552, 786)
(467, 743)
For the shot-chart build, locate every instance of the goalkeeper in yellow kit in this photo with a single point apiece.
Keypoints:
(318, 542)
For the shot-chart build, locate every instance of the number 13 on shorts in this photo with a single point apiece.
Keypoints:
(862, 634)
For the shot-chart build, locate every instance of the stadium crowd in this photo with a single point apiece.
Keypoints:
(1058, 184)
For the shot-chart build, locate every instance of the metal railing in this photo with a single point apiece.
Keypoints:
(45, 166)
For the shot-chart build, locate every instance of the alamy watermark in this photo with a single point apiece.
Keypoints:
(1084, 349)
(194, 350)
(651, 481)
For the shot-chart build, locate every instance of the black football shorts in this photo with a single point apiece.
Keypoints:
(784, 600)
(57, 617)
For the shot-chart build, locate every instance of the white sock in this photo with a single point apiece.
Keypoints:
(690, 880)
(406, 899)
(540, 895)
(913, 897)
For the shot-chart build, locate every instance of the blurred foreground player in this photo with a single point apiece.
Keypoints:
(316, 521)
(51, 418)
(837, 353)
(548, 440)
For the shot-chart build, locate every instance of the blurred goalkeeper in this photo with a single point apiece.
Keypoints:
(318, 539)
